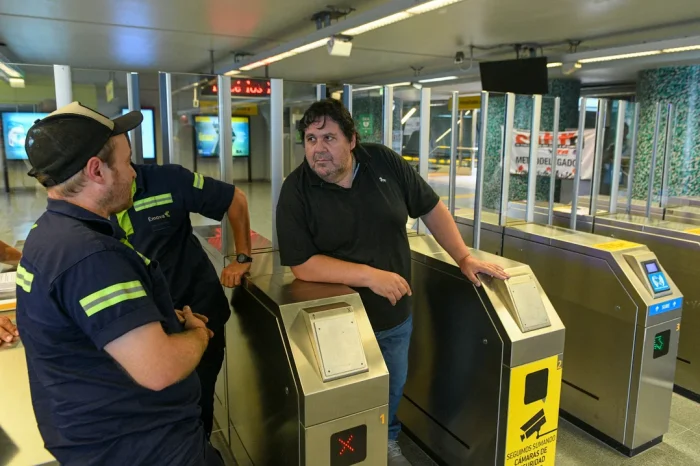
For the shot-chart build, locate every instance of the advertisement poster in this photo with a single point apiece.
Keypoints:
(365, 126)
(14, 131)
(207, 136)
(566, 153)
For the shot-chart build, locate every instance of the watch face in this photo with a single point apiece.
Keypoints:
(242, 259)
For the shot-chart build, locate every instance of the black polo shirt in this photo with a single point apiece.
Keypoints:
(365, 224)
(80, 286)
(158, 226)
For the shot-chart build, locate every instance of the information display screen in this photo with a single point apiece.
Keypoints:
(662, 340)
(207, 135)
(148, 133)
(656, 277)
(14, 132)
(349, 446)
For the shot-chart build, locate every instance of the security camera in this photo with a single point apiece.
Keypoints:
(459, 58)
(340, 46)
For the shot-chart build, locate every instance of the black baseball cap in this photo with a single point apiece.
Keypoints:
(60, 145)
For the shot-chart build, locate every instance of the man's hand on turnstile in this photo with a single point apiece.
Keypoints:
(390, 285)
(8, 331)
(233, 273)
(471, 266)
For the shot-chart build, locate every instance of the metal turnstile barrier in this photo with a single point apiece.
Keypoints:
(622, 332)
(485, 363)
(307, 384)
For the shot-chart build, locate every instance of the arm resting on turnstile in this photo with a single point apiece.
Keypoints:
(441, 224)
(8, 330)
(239, 219)
(325, 269)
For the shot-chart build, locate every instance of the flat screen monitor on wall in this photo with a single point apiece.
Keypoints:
(206, 135)
(525, 76)
(14, 131)
(148, 132)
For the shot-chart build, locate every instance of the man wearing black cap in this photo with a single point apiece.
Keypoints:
(111, 369)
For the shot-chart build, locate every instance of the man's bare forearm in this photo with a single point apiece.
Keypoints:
(239, 219)
(325, 269)
(442, 226)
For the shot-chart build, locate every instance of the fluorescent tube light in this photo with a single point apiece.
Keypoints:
(620, 57)
(435, 80)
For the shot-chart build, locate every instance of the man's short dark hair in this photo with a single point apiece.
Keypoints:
(328, 108)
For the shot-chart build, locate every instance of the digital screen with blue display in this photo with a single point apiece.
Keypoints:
(148, 133)
(14, 131)
(207, 136)
(657, 279)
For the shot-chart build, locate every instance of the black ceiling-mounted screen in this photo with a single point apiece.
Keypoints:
(525, 76)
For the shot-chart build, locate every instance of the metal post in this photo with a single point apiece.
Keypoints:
(507, 154)
(532, 165)
(166, 117)
(617, 161)
(276, 149)
(474, 140)
(134, 99)
(63, 84)
(453, 154)
(225, 155)
(553, 162)
(460, 143)
(320, 91)
(347, 97)
(478, 195)
(668, 155)
(388, 115)
(654, 152)
(424, 140)
(598, 156)
(577, 164)
(633, 154)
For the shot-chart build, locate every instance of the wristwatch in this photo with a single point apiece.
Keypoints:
(243, 259)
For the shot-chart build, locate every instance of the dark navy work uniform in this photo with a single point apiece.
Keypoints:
(158, 226)
(80, 286)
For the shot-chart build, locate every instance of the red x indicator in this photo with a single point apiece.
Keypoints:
(349, 446)
(346, 445)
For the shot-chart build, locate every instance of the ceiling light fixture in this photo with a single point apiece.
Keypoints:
(689, 48)
(17, 82)
(408, 115)
(232, 73)
(555, 64)
(368, 88)
(435, 80)
(282, 56)
(620, 57)
(9, 71)
(400, 16)
(399, 84)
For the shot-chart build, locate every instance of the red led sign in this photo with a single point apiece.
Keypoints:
(243, 88)
(349, 446)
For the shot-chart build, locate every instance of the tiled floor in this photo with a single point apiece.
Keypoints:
(681, 446)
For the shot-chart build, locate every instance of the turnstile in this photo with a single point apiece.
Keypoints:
(622, 313)
(307, 384)
(485, 363)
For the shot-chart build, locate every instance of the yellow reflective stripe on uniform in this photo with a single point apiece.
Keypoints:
(24, 279)
(128, 244)
(34, 226)
(115, 294)
(125, 222)
(153, 201)
(198, 181)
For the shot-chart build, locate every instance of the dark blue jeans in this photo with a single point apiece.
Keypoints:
(394, 344)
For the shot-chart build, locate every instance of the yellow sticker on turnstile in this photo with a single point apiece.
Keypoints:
(616, 245)
(693, 231)
(533, 413)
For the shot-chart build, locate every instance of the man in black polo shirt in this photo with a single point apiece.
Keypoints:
(111, 369)
(341, 218)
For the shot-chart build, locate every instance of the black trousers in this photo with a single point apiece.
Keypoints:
(207, 370)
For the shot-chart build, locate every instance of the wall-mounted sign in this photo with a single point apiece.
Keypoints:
(242, 88)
